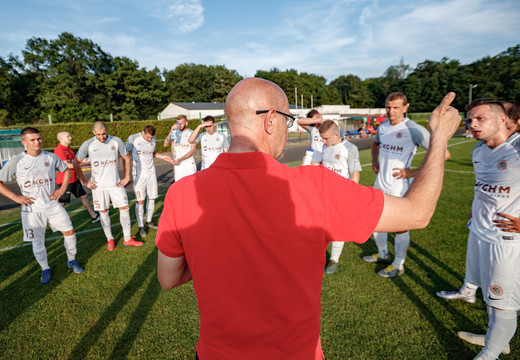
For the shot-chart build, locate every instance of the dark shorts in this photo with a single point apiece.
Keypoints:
(75, 189)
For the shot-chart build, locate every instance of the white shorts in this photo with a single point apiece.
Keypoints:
(185, 168)
(34, 224)
(146, 185)
(494, 268)
(102, 197)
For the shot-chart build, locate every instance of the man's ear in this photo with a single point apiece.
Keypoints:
(269, 121)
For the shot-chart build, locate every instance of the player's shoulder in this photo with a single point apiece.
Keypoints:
(514, 141)
(132, 138)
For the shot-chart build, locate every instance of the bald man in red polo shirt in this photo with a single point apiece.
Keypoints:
(228, 228)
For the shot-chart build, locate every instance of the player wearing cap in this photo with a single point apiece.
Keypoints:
(35, 171)
(103, 150)
(141, 147)
(212, 144)
(342, 157)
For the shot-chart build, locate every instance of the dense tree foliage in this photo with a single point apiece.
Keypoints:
(73, 79)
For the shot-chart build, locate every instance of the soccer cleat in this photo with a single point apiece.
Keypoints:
(151, 225)
(132, 242)
(96, 218)
(111, 245)
(457, 295)
(480, 340)
(46, 276)
(75, 266)
(374, 258)
(142, 231)
(390, 272)
(332, 267)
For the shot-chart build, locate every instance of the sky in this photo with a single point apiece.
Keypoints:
(329, 38)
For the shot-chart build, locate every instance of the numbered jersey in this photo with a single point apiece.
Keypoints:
(342, 158)
(142, 152)
(103, 159)
(212, 146)
(497, 189)
(36, 176)
(181, 145)
(397, 147)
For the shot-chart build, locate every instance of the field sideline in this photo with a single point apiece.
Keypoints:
(116, 308)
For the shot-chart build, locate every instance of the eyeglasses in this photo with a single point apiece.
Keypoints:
(288, 118)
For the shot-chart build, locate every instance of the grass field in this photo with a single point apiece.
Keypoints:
(116, 308)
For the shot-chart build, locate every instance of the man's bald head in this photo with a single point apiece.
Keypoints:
(64, 138)
(99, 129)
(250, 131)
(99, 125)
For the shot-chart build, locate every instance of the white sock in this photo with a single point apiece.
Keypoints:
(40, 253)
(402, 242)
(468, 288)
(69, 241)
(335, 251)
(501, 328)
(105, 224)
(139, 213)
(124, 218)
(381, 240)
(150, 208)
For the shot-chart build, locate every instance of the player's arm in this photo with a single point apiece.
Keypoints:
(163, 157)
(415, 209)
(168, 138)
(193, 137)
(20, 199)
(187, 155)
(172, 272)
(375, 156)
(307, 122)
(127, 167)
(355, 177)
(61, 190)
(511, 224)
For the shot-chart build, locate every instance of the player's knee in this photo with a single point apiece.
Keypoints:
(140, 202)
(124, 208)
(103, 211)
(68, 233)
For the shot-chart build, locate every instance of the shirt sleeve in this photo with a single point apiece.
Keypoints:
(8, 171)
(83, 150)
(317, 156)
(60, 164)
(353, 163)
(420, 136)
(168, 240)
(130, 143)
(121, 146)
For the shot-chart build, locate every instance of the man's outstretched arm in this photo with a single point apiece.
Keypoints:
(415, 209)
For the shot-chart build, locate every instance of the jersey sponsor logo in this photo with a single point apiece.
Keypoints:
(502, 164)
(144, 153)
(496, 290)
(212, 148)
(508, 237)
(493, 189)
(37, 182)
(393, 148)
(105, 163)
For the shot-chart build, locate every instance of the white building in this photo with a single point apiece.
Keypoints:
(193, 110)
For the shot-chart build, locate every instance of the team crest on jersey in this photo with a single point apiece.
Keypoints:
(337, 156)
(47, 164)
(496, 290)
(112, 148)
(502, 164)
(399, 135)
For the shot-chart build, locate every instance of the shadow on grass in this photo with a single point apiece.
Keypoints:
(126, 341)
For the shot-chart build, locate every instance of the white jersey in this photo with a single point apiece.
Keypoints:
(36, 176)
(142, 152)
(497, 189)
(181, 145)
(397, 147)
(212, 146)
(316, 141)
(103, 159)
(342, 158)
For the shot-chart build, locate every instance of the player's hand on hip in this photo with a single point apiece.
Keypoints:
(512, 224)
(375, 167)
(401, 173)
(123, 182)
(56, 194)
(91, 185)
(24, 200)
(445, 119)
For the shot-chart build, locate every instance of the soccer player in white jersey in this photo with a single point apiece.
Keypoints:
(35, 172)
(182, 151)
(342, 157)
(212, 144)
(141, 147)
(102, 151)
(312, 125)
(393, 149)
(493, 243)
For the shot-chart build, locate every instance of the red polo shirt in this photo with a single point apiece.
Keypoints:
(66, 154)
(254, 233)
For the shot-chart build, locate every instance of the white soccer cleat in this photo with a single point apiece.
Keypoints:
(457, 295)
(480, 340)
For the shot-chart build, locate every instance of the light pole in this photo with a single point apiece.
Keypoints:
(471, 86)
